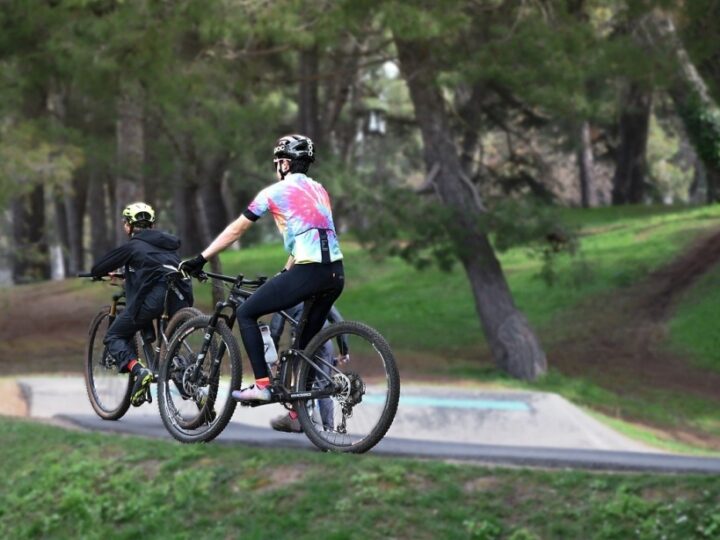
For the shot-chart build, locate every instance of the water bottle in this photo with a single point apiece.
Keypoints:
(270, 352)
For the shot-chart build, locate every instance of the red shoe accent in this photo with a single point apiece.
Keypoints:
(262, 383)
(293, 415)
(131, 364)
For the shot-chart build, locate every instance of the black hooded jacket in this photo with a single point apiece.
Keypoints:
(142, 259)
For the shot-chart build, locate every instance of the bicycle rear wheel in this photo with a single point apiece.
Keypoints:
(197, 410)
(356, 417)
(180, 317)
(107, 388)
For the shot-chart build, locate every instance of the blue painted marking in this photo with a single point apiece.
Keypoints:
(450, 403)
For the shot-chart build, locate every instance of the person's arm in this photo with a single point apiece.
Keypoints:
(290, 263)
(231, 234)
(112, 260)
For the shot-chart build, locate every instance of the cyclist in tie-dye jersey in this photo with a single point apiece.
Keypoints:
(301, 208)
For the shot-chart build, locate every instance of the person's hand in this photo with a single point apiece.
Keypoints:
(193, 266)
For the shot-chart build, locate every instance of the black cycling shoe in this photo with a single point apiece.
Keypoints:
(140, 392)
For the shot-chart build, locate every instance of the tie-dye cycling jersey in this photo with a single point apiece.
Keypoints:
(301, 207)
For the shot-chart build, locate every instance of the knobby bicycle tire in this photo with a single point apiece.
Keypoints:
(180, 317)
(205, 431)
(382, 375)
(120, 383)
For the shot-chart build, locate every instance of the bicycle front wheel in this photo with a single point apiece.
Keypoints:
(107, 388)
(358, 362)
(195, 406)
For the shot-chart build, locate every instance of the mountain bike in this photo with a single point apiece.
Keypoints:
(108, 389)
(364, 386)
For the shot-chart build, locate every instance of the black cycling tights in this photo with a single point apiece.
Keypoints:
(323, 281)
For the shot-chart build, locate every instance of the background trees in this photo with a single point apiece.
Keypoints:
(437, 125)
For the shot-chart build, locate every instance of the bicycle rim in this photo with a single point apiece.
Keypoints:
(107, 388)
(357, 417)
(197, 411)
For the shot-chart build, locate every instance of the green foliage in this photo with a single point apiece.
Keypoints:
(27, 157)
(418, 230)
(703, 126)
(424, 233)
(670, 180)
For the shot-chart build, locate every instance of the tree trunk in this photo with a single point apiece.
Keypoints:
(30, 257)
(97, 205)
(130, 152)
(212, 200)
(512, 342)
(203, 226)
(588, 195)
(308, 108)
(631, 166)
(59, 235)
(184, 197)
(74, 200)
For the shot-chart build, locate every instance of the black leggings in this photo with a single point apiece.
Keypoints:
(303, 281)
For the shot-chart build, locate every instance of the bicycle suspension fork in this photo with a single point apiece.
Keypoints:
(207, 340)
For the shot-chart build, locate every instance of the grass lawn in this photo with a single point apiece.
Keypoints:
(434, 310)
(106, 486)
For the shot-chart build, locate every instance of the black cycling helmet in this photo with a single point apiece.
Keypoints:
(295, 147)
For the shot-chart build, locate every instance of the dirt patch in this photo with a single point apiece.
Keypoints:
(13, 403)
(481, 485)
(617, 339)
(664, 286)
(43, 327)
(284, 475)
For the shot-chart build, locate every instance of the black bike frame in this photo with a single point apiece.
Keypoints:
(160, 324)
(283, 376)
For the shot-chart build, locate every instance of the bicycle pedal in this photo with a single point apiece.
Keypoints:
(254, 403)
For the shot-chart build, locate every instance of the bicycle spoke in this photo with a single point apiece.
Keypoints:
(196, 404)
(107, 389)
(366, 387)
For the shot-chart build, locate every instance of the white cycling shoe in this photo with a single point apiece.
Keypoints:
(252, 393)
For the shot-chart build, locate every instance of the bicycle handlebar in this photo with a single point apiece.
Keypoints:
(240, 279)
(99, 278)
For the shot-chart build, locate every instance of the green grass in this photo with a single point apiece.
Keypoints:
(62, 484)
(695, 328)
(431, 315)
(434, 311)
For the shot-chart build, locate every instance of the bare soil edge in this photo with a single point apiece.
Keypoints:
(13, 402)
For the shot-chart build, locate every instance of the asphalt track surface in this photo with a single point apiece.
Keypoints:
(508, 428)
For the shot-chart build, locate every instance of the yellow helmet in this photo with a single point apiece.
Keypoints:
(138, 211)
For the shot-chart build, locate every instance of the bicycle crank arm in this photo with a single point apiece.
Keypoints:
(317, 394)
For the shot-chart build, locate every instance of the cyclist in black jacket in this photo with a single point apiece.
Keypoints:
(143, 260)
